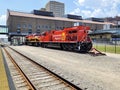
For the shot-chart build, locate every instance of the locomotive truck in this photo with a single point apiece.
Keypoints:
(72, 38)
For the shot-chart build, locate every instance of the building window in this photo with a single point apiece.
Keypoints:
(18, 26)
(18, 30)
(50, 27)
(57, 27)
(30, 31)
(38, 27)
(60, 27)
(38, 31)
(42, 26)
(46, 26)
(29, 26)
(24, 26)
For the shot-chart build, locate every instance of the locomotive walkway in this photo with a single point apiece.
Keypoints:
(3, 77)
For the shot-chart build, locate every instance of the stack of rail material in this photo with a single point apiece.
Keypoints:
(95, 52)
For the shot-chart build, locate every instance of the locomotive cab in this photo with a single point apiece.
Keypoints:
(72, 35)
(84, 41)
(76, 38)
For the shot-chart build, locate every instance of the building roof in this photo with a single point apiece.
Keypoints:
(22, 14)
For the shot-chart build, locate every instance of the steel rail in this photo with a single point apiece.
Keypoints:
(31, 87)
(66, 82)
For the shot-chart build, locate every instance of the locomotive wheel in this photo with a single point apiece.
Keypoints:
(85, 47)
(26, 43)
(89, 46)
(42, 45)
(64, 47)
(61, 46)
(82, 48)
(67, 47)
(70, 47)
(36, 44)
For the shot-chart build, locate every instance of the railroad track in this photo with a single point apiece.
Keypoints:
(20, 81)
(37, 76)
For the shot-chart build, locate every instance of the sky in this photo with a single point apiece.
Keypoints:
(84, 8)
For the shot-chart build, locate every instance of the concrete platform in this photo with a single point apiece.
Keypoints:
(3, 77)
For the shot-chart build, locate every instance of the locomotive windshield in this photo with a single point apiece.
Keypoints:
(73, 31)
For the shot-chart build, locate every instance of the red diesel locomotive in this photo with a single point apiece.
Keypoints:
(74, 38)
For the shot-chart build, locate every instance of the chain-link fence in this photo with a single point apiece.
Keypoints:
(104, 45)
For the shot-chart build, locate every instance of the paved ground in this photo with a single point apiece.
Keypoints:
(3, 77)
(88, 72)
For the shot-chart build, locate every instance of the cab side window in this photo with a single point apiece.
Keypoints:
(73, 31)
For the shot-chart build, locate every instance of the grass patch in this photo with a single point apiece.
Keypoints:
(108, 48)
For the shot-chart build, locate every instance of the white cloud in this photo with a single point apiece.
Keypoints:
(86, 13)
(79, 2)
(76, 11)
(97, 8)
(2, 19)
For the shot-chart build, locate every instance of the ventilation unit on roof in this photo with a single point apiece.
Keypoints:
(43, 13)
(73, 17)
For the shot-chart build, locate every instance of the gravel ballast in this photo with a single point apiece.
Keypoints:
(87, 72)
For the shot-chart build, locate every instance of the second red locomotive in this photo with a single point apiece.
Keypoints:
(74, 38)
